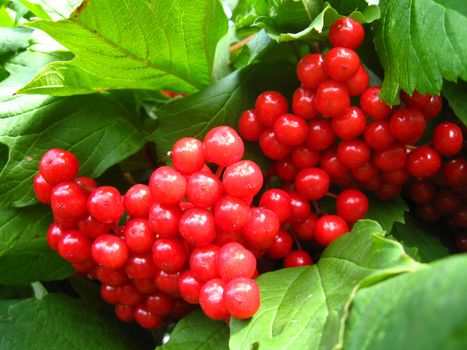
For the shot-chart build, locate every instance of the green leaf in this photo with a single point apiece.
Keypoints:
(154, 44)
(60, 322)
(420, 43)
(220, 104)
(422, 310)
(421, 245)
(22, 239)
(12, 41)
(196, 331)
(306, 307)
(51, 9)
(346, 7)
(387, 212)
(456, 95)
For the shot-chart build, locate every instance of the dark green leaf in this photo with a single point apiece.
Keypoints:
(386, 213)
(423, 310)
(196, 331)
(420, 43)
(456, 95)
(346, 7)
(305, 308)
(119, 46)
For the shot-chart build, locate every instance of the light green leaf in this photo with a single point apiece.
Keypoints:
(196, 331)
(52, 9)
(306, 307)
(420, 43)
(423, 310)
(154, 44)
(456, 95)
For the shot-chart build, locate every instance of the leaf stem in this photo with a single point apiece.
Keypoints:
(241, 43)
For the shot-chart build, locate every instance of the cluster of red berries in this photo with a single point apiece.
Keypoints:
(327, 141)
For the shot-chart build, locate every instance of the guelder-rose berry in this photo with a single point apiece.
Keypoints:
(241, 297)
(93, 228)
(392, 158)
(242, 179)
(305, 230)
(164, 219)
(281, 245)
(341, 63)
(203, 262)
(168, 282)
(312, 183)
(203, 189)
(211, 299)
(147, 319)
(290, 130)
(112, 277)
(169, 254)
(303, 103)
(109, 251)
(140, 266)
(271, 146)
(423, 162)
(278, 201)
(105, 204)
(197, 226)
(223, 146)
(137, 200)
(378, 135)
(301, 208)
(54, 234)
(353, 153)
(188, 155)
(447, 139)
(358, 82)
(269, 106)
(373, 105)
(42, 189)
(58, 165)
(407, 125)
(249, 126)
(351, 205)
(261, 228)
(159, 304)
(332, 98)
(310, 70)
(231, 213)
(234, 260)
(328, 228)
(304, 157)
(138, 235)
(429, 105)
(320, 134)
(167, 185)
(297, 258)
(74, 247)
(346, 32)
(189, 286)
(68, 201)
(350, 125)
(125, 313)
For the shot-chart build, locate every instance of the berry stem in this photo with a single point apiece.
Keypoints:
(292, 233)
(332, 195)
(241, 43)
(317, 209)
(219, 171)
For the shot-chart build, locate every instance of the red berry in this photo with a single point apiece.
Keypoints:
(112, 277)
(427, 212)
(447, 202)
(448, 139)
(234, 260)
(422, 191)
(74, 247)
(332, 165)
(269, 106)
(58, 165)
(211, 299)
(281, 246)
(423, 162)
(285, 169)
(109, 293)
(346, 32)
(223, 146)
(242, 179)
(159, 304)
(378, 135)
(297, 258)
(396, 177)
(105, 204)
(306, 230)
(109, 251)
(167, 185)
(181, 309)
(197, 226)
(351, 205)
(455, 172)
(261, 228)
(310, 70)
(42, 189)
(312, 183)
(328, 228)
(271, 146)
(138, 235)
(249, 126)
(138, 200)
(320, 134)
(203, 262)
(164, 219)
(373, 105)
(304, 157)
(231, 213)
(68, 201)
(125, 313)
(407, 125)
(128, 295)
(188, 155)
(341, 63)
(392, 158)
(460, 217)
(388, 191)
(169, 254)
(429, 105)
(301, 209)
(88, 184)
(189, 286)
(350, 125)
(353, 153)
(365, 173)
(147, 319)
(290, 130)
(54, 234)
(241, 297)
(145, 285)
(203, 189)
(278, 201)
(224, 237)
(332, 98)
(140, 266)
(303, 103)
(168, 282)
(358, 83)
(93, 228)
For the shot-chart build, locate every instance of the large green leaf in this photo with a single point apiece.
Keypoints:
(51, 9)
(423, 310)
(220, 104)
(60, 322)
(420, 43)
(154, 44)
(456, 95)
(388, 212)
(305, 308)
(196, 331)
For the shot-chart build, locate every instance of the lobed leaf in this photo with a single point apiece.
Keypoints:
(456, 94)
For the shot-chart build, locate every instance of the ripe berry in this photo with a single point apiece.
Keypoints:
(447, 139)
(271, 146)
(231, 213)
(109, 293)
(396, 177)
(167, 185)
(460, 217)
(42, 189)
(358, 83)
(249, 126)
(310, 70)
(164, 219)
(203, 189)
(447, 202)
(427, 212)
(211, 299)
(303, 103)
(341, 63)
(332, 98)
(181, 309)
(145, 285)
(140, 266)
(351, 205)
(301, 209)
(320, 134)
(353, 153)
(422, 191)
(74, 247)
(93, 228)
(168, 282)
(304, 157)
(242, 179)
(261, 228)
(234, 260)
(285, 169)
(429, 105)
(269, 106)
(305, 230)
(203, 262)
(197, 226)
(125, 313)
(128, 295)
(58, 165)
(350, 125)
(392, 158)
(68, 201)
(169, 254)
(455, 172)
(312, 183)
(112, 277)
(346, 32)
(328, 228)
(407, 125)
(147, 319)
(423, 162)
(297, 258)
(365, 173)
(278, 201)
(54, 234)
(188, 155)
(138, 235)
(137, 200)
(109, 251)
(388, 191)
(332, 165)
(373, 105)
(290, 130)
(281, 246)
(189, 286)
(223, 146)
(105, 204)
(88, 184)
(241, 297)
(159, 304)
(378, 135)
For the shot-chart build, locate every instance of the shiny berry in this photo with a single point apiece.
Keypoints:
(159, 304)
(305, 230)
(351, 205)
(388, 191)
(169, 254)
(281, 246)
(147, 319)
(203, 189)
(54, 234)
(223, 146)
(112, 277)
(140, 266)
(332, 98)
(109, 251)
(189, 286)
(167, 185)
(249, 126)
(285, 169)
(353, 153)
(392, 158)
(429, 105)
(58, 165)
(234, 260)
(137, 200)
(350, 125)
(211, 299)
(378, 135)
(231, 213)
(455, 172)
(341, 63)
(312, 183)
(271, 146)
(331, 164)
(328, 228)
(197, 226)
(74, 247)
(297, 258)
(423, 162)
(303, 103)
(358, 82)
(42, 189)
(310, 70)
(269, 106)
(261, 228)
(301, 209)
(188, 155)
(68, 201)
(365, 173)
(346, 32)
(373, 105)
(320, 134)
(422, 191)
(278, 201)
(168, 282)
(290, 130)
(164, 219)
(242, 179)
(304, 157)
(447, 139)
(407, 125)
(125, 313)
(241, 297)
(105, 204)
(138, 235)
